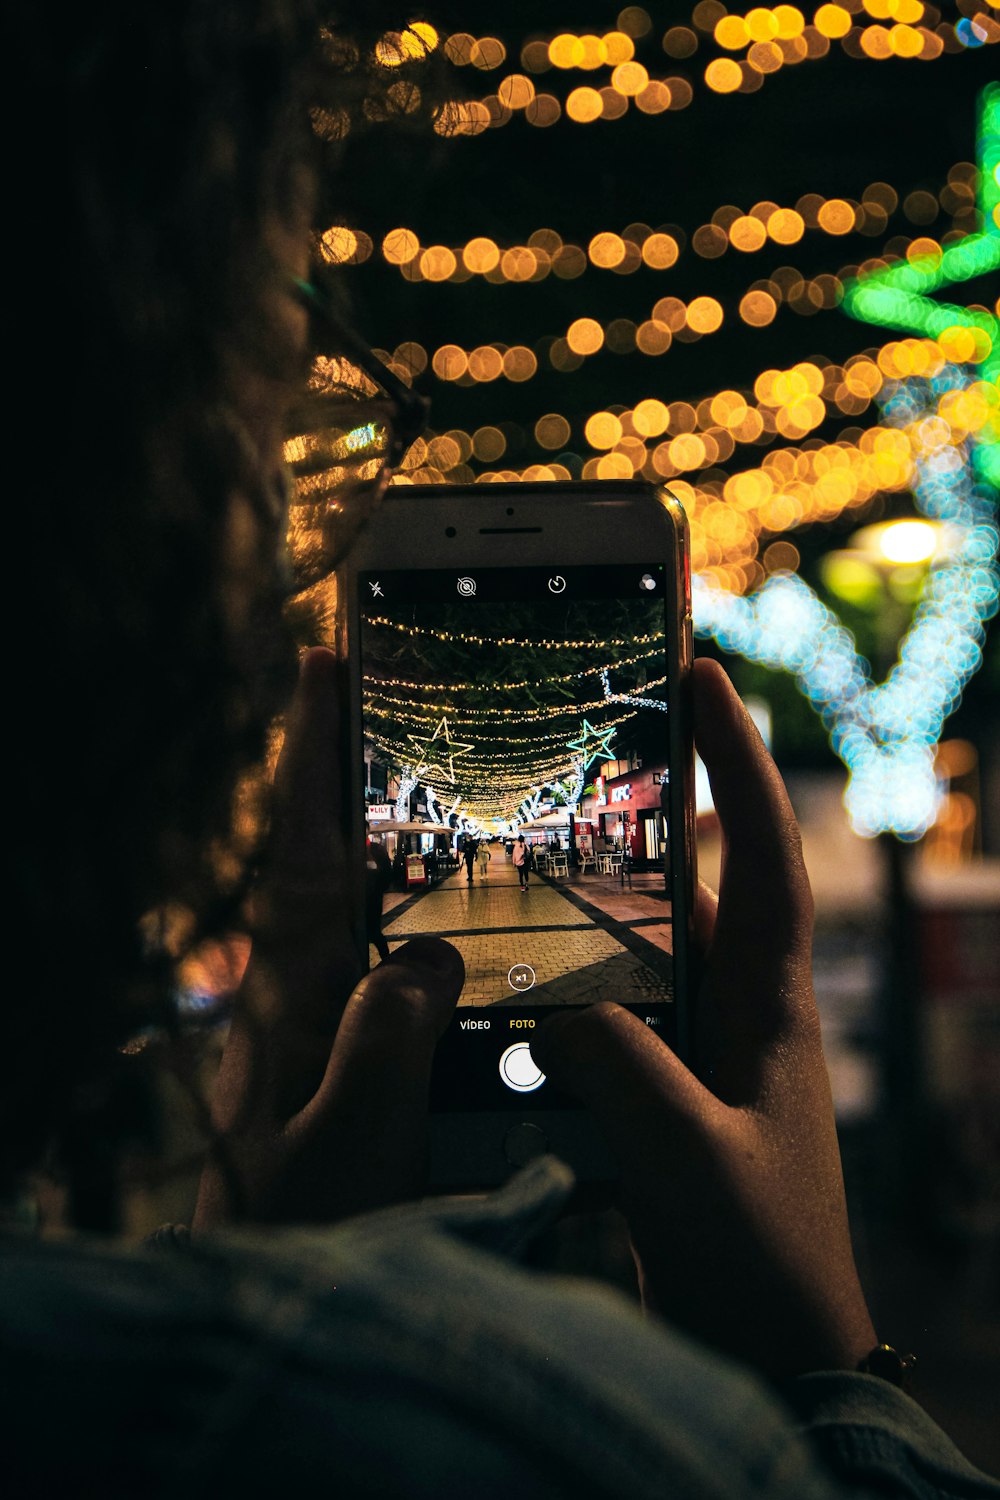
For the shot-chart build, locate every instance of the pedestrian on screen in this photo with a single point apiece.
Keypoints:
(521, 861)
(483, 856)
(378, 877)
(469, 855)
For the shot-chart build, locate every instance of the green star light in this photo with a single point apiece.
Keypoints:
(592, 744)
(900, 296)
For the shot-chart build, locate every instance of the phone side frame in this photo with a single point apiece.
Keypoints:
(486, 518)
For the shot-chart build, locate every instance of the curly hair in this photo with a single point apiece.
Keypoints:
(189, 141)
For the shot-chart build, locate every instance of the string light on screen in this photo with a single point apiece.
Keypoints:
(631, 698)
(407, 784)
(490, 771)
(430, 797)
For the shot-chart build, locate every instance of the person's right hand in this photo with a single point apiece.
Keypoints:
(732, 1187)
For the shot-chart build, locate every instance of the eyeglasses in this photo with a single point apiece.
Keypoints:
(346, 437)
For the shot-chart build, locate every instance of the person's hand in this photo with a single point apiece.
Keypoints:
(320, 1105)
(732, 1187)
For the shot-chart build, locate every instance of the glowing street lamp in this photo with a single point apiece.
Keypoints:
(904, 542)
(883, 567)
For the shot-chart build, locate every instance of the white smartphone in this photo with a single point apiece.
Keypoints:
(522, 782)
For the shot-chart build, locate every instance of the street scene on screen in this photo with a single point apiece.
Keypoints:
(516, 773)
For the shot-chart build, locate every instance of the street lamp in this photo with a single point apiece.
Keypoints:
(908, 541)
(884, 566)
(882, 572)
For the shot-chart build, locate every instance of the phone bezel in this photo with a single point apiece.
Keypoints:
(529, 525)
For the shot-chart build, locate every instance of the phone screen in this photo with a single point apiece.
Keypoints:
(516, 752)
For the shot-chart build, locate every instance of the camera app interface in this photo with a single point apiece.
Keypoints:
(515, 742)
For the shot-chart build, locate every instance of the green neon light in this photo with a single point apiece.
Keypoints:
(988, 140)
(892, 307)
(899, 297)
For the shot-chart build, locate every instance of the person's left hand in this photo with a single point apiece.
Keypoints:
(320, 1105)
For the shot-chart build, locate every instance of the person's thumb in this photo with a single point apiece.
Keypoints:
(363, 1135)
(638, 1090)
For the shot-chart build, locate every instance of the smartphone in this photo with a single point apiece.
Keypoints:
(522, 782)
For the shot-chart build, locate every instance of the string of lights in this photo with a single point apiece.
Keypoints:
(640, 246)
(793, 485)
(522, 713)
(482, 786)
(399, 715)
(633, 698)
(485, 733)
(849, 387)
(917, 32)
(373, 683)
(489, 781)
(472, 768)
(530, 643)
(671, 321)
(481, 782)
(789, 404)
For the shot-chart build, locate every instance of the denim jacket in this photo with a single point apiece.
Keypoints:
(405, 1353)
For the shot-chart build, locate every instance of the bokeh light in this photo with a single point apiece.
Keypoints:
(585, 336)
(723, 76)
(908, 541)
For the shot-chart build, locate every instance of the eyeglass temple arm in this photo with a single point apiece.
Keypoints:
(414, 408)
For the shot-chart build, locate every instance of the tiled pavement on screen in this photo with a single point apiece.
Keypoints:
(491, 922)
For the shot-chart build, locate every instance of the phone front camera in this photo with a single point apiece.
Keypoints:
(450, 531)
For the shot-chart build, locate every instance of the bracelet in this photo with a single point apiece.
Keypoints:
(888, 1364)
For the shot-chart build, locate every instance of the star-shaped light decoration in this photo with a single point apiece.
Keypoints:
(900, 296)
(592, 745)
(425, 766)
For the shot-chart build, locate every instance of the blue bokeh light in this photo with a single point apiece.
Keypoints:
(885, 733)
